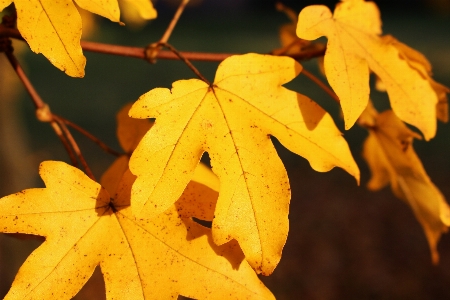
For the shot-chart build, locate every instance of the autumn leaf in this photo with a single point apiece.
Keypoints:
(53, 28)
(392, 160)
(160, 258)
(354, 47)
(233, 120)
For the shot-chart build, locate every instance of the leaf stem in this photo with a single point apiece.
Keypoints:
(154, 48)
(75, 147)
(65, 142)
(322, 85)
(186, 61)
(90, 136)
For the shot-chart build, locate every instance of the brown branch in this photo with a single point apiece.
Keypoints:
(154, 48)
(44, 114)
(38, 102)
(322, 85)
(139, 52)
(90, 136)
(6, 32)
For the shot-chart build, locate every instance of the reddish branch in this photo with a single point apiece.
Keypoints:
(38, 102)
(140, 52)
(44, 114)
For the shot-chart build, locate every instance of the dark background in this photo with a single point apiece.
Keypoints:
(344, 242)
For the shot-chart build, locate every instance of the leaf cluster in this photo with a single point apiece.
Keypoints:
(139, 223)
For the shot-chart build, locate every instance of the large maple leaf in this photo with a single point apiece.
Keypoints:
(140, 259)
(233, 120)
(392, 160)
(354, 47)
(53, 28)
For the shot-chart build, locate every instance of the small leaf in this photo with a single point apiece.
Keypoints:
(105, 8)
(53, 28)
(388, 151)
(137, 12)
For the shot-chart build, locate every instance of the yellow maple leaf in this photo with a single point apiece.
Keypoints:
(232, 120)
(161, 258)
(388, 151)
(53, 28)
(354, 47)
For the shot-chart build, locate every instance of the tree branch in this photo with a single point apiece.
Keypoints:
(139, 52)
(44, 114)
(38, 102)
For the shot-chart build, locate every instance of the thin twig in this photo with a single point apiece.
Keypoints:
(66, 144)
(186, 61)
(75, 147)
(154, 49)
(321, 85)
(90, 136)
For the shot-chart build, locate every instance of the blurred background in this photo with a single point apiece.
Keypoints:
(344, 242)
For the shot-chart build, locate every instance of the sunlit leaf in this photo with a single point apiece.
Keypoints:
(355, 47)
(232, 120)
(161, 258)
(53, 28)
